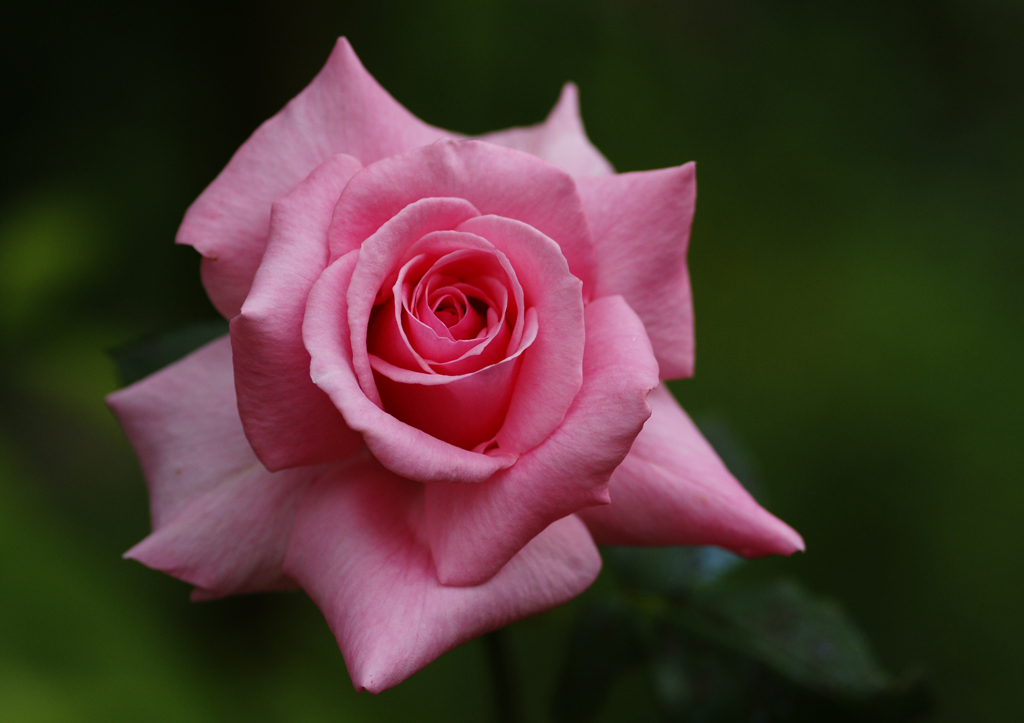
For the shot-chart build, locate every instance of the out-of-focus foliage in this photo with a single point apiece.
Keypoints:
(715, 649)
(138, 360)
(856, 263)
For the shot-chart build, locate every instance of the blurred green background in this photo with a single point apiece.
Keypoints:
(857, 260)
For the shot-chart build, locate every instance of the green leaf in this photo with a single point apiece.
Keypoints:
(807, 640)
(731, 651)
(139, 360)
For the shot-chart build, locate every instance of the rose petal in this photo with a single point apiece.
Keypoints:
(560, 139)
(183, 423)
(552, 371)
(436, 346)
(380, 255)
(289, 420)
(343, 110)
(672, 489)
(403, 449)
(396, 338)
(357, 552)
(641, 226)
(475, 529)
(441, 243)
(220, 520)
(463, 410)
(496, 180)
(232, 539)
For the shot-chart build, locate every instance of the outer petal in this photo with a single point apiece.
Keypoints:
(673, 489)
(356, 551)
(560, 139)
(289, 421)
(403, 449)
(183, 423)
(221, 521)
(232, 539)
(475, 529)
(641, 227)
(343, 110)
(495, 180)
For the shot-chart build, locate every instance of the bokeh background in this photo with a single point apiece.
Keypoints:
(857, 260)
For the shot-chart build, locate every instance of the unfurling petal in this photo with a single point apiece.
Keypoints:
(474, 529)
(289, 421)
(672, 489)
(641, 228)
(221, 521)
(497, 181)
(357, 551)
(560, 139)
(552, 370)
(403, 449)
(344, 110)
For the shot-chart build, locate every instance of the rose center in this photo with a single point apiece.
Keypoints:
(449, 310)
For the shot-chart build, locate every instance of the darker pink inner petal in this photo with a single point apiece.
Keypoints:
(445, 339)
(447, 314)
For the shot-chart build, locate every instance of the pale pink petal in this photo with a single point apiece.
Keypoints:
(233, 538)
(560, 139)
(475, 529)
(289, 421)
(672, 489)
(496, 180)
(552, 371)
(220, 520)
(641, 227)
(183, 423)
(343, 110)
(400, 447)
(357, 552)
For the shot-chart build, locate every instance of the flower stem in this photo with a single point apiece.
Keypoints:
(507, 703)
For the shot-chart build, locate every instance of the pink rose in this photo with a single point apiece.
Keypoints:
(441, 385)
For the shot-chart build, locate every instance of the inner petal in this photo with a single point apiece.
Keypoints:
(452, 307)
(461, 307)
(448, 310)
(458, 310)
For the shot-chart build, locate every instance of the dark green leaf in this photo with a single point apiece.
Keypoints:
(695, 680)
(731, 651)
(807, 640)
(138, 360)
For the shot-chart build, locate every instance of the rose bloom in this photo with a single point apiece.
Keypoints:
(441, 389)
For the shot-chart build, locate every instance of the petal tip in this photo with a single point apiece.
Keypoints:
(568, 102)
(344, 52)
(143, 552)
(777, 538)
(373, 679)
(797, 541)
